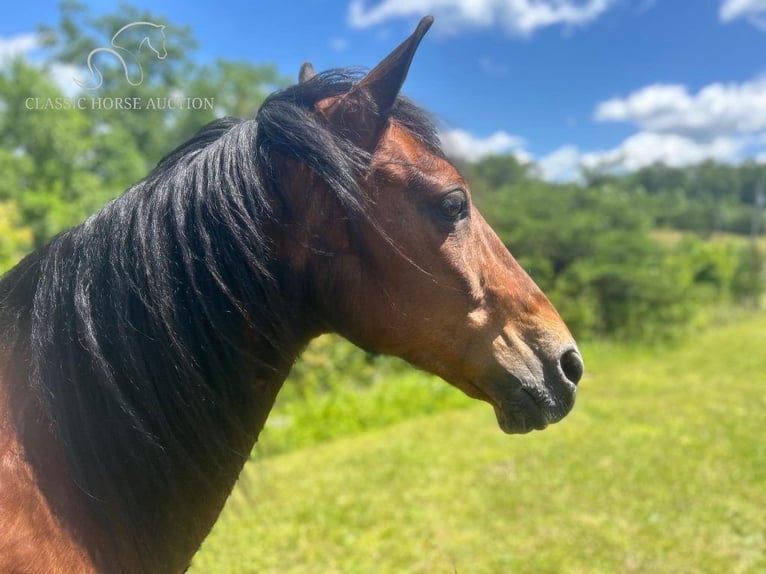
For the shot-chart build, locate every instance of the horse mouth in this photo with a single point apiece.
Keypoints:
(521, 414)
(520, 410)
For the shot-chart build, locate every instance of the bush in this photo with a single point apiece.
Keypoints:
(591, 251)
(15, 239)
(748, 283)
(634, 289)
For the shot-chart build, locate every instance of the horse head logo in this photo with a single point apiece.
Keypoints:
(151, 35)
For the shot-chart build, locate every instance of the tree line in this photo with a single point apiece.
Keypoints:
(632, 255)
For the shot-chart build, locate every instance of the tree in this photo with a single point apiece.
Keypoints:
(748, 283)
(237, 88)
(60, 165)
(495, 172)
(57, 166)
(15, 239)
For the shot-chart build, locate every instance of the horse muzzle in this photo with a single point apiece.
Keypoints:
(542, 394)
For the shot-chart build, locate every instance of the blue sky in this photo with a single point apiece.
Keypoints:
(559, 82)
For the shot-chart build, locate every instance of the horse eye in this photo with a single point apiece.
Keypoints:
(453, 205)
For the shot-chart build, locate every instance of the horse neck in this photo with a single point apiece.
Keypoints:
(44, 503)
(173, 507)
(123, 327)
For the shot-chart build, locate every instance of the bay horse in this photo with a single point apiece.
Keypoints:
(143, 349)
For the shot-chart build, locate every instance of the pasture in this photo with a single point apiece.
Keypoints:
(661, 467)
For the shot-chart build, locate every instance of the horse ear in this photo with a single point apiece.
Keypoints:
(385, 80)
(363, 112)
(307, 72)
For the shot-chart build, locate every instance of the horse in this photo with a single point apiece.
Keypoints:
(142, 350)
(124, 55)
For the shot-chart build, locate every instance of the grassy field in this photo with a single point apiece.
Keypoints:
(661, 467)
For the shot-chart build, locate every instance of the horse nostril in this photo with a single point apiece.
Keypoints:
(572, 366)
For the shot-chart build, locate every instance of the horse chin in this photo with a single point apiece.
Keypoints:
(521, 408)
(520, 415)
(516, 409)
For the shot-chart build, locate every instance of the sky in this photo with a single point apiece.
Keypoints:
(564, 83)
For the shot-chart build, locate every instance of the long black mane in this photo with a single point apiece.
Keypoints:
(136, 327)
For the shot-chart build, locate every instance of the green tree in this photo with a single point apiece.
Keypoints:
(61, 165)
(237, 88)
(495, 172)
(58, 165)
(591, 251)
(748, 283)
(15, 239)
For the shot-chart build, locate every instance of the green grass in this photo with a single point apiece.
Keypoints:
(661, 467)
(350, 410)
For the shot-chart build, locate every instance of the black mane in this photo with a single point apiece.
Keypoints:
(136, 321)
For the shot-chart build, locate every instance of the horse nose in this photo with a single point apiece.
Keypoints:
(572, 366)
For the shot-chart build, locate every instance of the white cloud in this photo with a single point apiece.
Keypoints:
(63, 76)
(752, 10)
(562, 164)
(720, 122)
(640, 150)
(520, 17)
(716, 110)
(22, 44)
(637, 151)
(645, 148)
(460, 143)
(15, 46)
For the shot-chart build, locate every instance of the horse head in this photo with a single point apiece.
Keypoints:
(423, 276)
